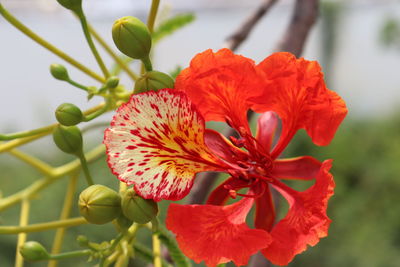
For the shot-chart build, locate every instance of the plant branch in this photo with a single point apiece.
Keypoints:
(40, 227)
(28, 32)
(23, 221)
(241, 34)
(304, 16)
(65, 213)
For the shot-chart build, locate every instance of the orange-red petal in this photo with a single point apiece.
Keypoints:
(266, 129)
(306, 221)
(296, 91)
(156, 142)
(220, 85)
(302, 168)
(216, 234)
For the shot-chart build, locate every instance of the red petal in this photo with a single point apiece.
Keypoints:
(266, 128)
(216, 234)
(222, 147)
(156, 142)
(297, 92)
(221, 194)
(303, 168)
(265, 211)
(220, 85)
(306, 221)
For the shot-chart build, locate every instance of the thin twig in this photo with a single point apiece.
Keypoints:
(304, 16)
(241, 34)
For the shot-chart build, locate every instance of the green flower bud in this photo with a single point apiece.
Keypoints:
(33, 251)
(99, 204)
(138, 209)
(68, 114)
(83, 241)
(74, 5)
(59, 72)
(153, 80)
(132, 37)
(68, 139)
(112, 82)
(123, 222)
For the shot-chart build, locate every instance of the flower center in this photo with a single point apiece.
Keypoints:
(255, 167)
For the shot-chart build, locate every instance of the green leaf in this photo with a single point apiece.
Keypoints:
(171, 25)
(176, 254)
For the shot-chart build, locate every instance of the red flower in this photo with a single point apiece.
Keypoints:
(158, 142)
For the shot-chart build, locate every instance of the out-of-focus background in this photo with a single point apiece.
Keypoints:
(357, 43)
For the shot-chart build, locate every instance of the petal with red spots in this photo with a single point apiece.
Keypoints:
(220, 85)
(216, 234)
(156, 142)
(306, 221)
(296, 91)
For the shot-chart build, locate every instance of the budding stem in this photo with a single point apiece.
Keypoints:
(85, 168)
(88, 37)
(28, 32)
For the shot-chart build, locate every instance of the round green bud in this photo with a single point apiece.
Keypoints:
(99, 204)
(33, 251)
(68, 139)
(68, 114)
(74, 5)
(138, 209)
(59, 72)
(132, 37)
(112, 82)
(153, 80)
(123, 222)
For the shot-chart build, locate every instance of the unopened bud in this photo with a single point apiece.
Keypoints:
(59, 72)
(99, 204)
(68, 139)
(68, 114)
(33, 251)
(74, 5)
(112, 82)
(138, 209)
(153, 81)
(132, 37)
(83, 241)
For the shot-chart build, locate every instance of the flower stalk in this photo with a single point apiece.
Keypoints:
(25, 30)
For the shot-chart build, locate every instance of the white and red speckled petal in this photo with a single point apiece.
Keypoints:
(156, 143)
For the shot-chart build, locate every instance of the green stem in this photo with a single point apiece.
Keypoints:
(152, 15)
(15, 143)
(116, 58)
(98, 112)
(78, 85)
(23, 221)
(46, 181)
(88, 37)
(40, 227)
(147, 64)
(71, 254)
(65, 213)
(16, 23)
(26, 133)
(156, 243)
(85, 169)
(41, 166)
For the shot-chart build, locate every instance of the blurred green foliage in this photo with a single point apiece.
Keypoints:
(365, 229)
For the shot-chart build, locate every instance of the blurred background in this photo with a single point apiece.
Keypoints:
(357, 43)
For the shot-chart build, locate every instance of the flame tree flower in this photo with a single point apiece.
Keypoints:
(158, 142)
